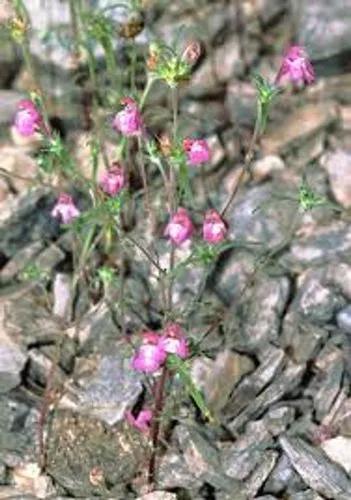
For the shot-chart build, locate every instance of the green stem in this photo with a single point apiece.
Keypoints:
(246, 167)
(148, 86)
(112, 66)
(133, 67)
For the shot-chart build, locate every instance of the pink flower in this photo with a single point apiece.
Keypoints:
(179, 228)
(296, 68)
(28, 118)
(151, 355)
(173, 340)
(197, 151)
(214, 228)
(142, 421)
(128, 121)
(113, 180)
(65, 209)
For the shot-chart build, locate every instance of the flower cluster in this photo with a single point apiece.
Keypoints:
(164, 64)
(154, 348)
(180, 227)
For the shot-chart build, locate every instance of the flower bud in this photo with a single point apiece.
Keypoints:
(180, 227)
(197, 151)
(296, 68)
(214, 229)
(113, 180)
(174, 341)
(65, 209)
(191, 53)
(128, 121)
(142, 421)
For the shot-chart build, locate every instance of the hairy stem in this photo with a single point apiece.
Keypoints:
(155, 428)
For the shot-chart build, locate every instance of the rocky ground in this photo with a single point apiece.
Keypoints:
(276, 368)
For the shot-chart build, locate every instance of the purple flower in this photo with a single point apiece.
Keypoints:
(197, 151)
(28, 119)
(151, 355)
(179, 228)
(113, 180)
(174, 341)
(128, 121)
(214, 228)
(296, 68)
(142, 421)
(65, 209)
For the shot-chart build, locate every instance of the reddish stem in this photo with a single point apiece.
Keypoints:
(155, 429)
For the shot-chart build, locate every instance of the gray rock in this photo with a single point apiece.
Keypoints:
(316, 469)
(12, 362)
(222, 65)
(26, 220)
(241, 103)
(316, 301)
(233, 276)
(266, 497)
(21, 259)
(97, 330)
(9, 492)
(290, 378)
(337, 164)
(260, 474)
(302, 338)
(272, 362)
(338, 449)
(283, 477)
(323, 27)
(158, 495)
(96, 391)
(3, 474)
(325, 245)
(268, 10)
(62, 296)
(211, 21)
(254, 219)
(174, 473)
(8, 104)
(343, 319)
(328, 382)
(244, 456)
(18, 432)
(278, 418)
(306, 495)
(25, 318)
(79, 447)
(41, 369)
(218, 378)
(300, 126)
(202, 460)
(264, 311)
(338, 274)
(241, 458)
